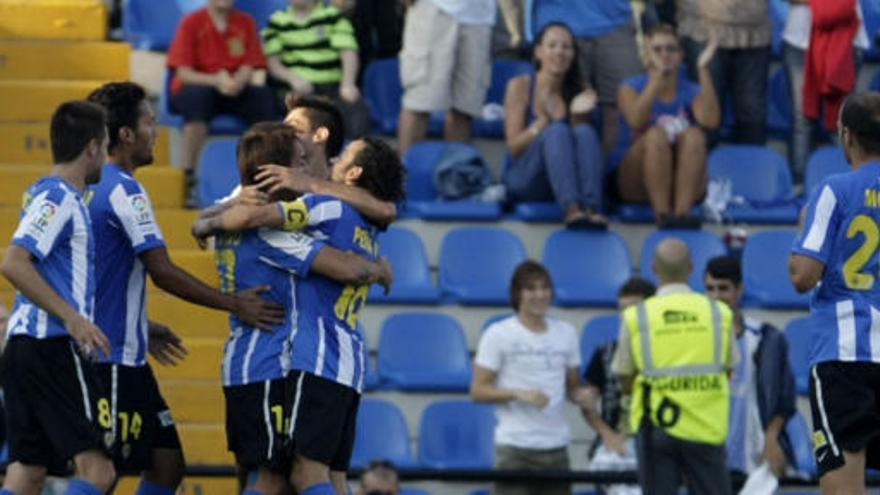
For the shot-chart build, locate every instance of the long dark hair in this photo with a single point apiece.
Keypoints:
(572, 84)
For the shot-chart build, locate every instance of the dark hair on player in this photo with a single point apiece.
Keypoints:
(322, 112)
(725, 268)
(121, 101)
(637, 286)
(861, 115)
(525, 273)
(265, 143)
(383, 174)
(74, 125)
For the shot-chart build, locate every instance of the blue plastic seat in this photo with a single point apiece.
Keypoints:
(218, 171)
(372, 381)
(587, 267)
(762, 177)
(799, 334)
(871, 18)
(476, 264)
(801, 445)
(383, 92)
(503, 71)
(150, 25)
(532, 211)
(381, 434)
(765, 271)
(457, 435)
(422, 199)
(597, 332)
(413, 491)
(778, 14)
(222, 124)
(779, 113)
(825, 161)
(412, 275)
(424, 351)
(703, 245)
(261, 10)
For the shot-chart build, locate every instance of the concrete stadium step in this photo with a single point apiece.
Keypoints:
(38, 59)
(28, 143)
(191, 485)
(204, 443)
(203, 362)
(53, 19)
(34, 100)
(199, 264)
(195, 401)
(164, 184)
(188, 320)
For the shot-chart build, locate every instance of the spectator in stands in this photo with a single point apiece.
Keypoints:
(796, 40)
(762, 386)
(666, 165)
(608, 54)
(528, 364)
(213, 55)
(380, 478)
(311, 48)
(556, 155)
(613, 447)
(444, 65)
(739, 70)
(378, 26)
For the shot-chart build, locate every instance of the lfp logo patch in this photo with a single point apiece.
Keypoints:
(141, 209)
(45, 212)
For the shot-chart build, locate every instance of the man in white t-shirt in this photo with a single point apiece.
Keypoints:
(528, 365)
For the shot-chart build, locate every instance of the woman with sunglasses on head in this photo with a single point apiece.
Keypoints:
(666, 165)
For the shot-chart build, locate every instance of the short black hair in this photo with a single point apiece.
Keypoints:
(861, 115)
(383, 173)
(637, 286)
(322, 112)
(527, 271)
(725, 268)
(122, 101)
(74, 124)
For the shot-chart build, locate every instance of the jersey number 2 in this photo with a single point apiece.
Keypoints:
(853, 276)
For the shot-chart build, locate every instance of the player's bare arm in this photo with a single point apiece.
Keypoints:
(805, 272)
(348, 267)
(248, 195)
(19, 269)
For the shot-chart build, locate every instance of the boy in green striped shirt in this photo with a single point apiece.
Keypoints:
(311, 47)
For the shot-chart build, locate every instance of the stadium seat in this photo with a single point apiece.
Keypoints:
(778, 14)
(413, 491)
(217, 171)
(871, 18)
(412, 275)
(801, 445)
(421, 160)
(494, 319)
(587, 267)
(765, 271)
(383, 92)
(598, 331)
(503, 70)
(221, 124)
(372, 381)
(532, 211)
(261, 10)
(799, 334)
(779, 113)
(476, 264)
(381, 434)
(424, 351)
(703, 245)
(761, 177)
(457, 435)
(825, 161)
(150, 25)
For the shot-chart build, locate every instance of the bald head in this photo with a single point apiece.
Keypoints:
(672, 261)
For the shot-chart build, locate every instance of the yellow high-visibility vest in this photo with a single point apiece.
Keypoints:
(681, 347)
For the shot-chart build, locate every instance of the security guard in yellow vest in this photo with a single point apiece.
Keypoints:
(674, 353)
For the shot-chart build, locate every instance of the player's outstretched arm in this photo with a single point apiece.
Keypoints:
(247, 305)
(248, 196)
(274, 178)
(236, 218)
(347, 267)
(19, 269)
(805, 272)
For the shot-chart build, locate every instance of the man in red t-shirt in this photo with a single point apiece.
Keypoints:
(214, 54)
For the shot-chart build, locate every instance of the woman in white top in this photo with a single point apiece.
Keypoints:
(527, 365)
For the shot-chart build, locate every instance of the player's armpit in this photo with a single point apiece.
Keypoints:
(346, 267)
(805, 272)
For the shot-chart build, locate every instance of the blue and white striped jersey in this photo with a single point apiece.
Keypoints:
(54, 227)
(842, 230)
(124, 227)
(325, 340)
(250, 259)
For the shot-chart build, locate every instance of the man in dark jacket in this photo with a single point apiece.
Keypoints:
(762, 385)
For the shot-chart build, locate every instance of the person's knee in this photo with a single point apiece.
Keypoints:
(96, 468)
(656, 141)
(307, 472)
(168, 468)
(269, 482)
(24, 479)
(693, 139)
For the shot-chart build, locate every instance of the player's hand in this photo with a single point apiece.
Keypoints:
(614, 441)
(386, 275)
(774, 456)
(256, 311)
(164, 345)
(534, 397)
(251, 196)
(275, 178)
(201, 231)
(584, 102)
(349, 93)
(91, 340)
(300, 86)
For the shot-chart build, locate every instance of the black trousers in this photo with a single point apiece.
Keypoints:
(664, 461)
(198, 103)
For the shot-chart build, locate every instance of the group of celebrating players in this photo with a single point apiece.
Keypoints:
(296, 254)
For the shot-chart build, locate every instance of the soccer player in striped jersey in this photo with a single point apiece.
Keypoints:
(256, 363)
(836, 254)
(328, 356)
(48, 380)
(130, 245)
